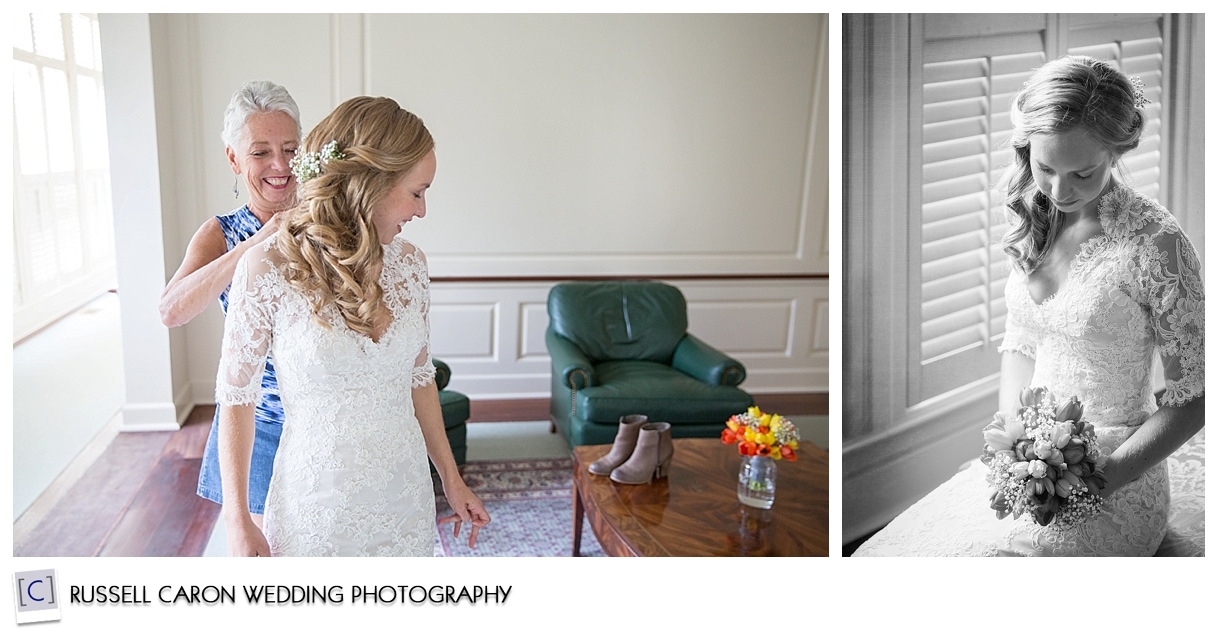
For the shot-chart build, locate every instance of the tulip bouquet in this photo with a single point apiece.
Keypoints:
(758, 434)
(1044, 461)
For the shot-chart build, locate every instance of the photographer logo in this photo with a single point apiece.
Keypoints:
(37, 596)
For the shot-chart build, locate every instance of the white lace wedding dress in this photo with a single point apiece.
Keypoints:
(1132, 291)
(351, 475)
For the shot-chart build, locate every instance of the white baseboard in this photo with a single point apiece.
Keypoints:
(150, 417)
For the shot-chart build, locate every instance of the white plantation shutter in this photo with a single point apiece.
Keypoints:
(63, 244)
(965, 69)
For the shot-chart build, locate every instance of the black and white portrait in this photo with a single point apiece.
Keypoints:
(1023, 208)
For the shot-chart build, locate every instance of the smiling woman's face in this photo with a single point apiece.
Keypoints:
(406, 200)
(267, 146)
(1071, 168)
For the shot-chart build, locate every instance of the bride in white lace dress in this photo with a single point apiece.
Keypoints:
(1103, 280)
(341, 301)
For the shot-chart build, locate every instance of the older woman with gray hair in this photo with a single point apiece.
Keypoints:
(261, 135)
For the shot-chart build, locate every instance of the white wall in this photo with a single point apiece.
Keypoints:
(569, 146)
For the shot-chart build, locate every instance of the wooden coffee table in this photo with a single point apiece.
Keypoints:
(694, 511)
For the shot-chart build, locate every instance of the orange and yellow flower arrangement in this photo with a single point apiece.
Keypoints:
(757, 434)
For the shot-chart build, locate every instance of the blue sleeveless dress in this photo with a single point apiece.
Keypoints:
(238, 226)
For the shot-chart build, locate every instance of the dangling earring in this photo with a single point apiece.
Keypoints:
(235, 193)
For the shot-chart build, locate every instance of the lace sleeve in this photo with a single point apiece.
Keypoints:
(1016, 338)
(247, 334)
(1171, 274)
(424, 372)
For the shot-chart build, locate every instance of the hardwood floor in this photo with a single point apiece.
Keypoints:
(138, 499)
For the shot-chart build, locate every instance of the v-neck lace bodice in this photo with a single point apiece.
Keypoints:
(1131, 293)
(1085, 249)
(1130, 290)
(351, 474)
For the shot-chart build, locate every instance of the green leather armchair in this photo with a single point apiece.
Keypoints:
(455, 408)
(619, 348)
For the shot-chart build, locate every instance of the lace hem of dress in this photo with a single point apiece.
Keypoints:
(1022, 348)
(423, 376)
(1179, 394)
(236, 395)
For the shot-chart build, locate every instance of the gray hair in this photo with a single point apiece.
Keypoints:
(252, 98)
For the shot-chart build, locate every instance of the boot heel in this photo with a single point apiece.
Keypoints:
(662, 468)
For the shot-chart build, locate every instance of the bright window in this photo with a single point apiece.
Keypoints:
(62, 227)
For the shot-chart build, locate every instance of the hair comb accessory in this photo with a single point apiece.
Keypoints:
(307, 165)
(1139, 93)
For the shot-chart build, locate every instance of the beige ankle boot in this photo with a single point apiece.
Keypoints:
(651, 456)
(623, 445)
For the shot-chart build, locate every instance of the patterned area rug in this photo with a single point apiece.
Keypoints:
(530, 506)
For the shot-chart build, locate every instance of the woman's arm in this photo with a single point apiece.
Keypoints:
(236, 441)
(1153, 442)
(464, 503)
(248, 333)
(1016, 374)
(207, 268)
(1176, 300)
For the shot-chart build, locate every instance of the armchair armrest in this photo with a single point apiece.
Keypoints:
(566, 359)
(443, 374)
(702, 362)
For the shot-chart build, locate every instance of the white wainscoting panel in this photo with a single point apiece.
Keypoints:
(533, 323)
(468, 329)
(749, 326)
(493, 334)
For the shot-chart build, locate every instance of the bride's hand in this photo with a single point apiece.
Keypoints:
(246, 540)
(467, 508)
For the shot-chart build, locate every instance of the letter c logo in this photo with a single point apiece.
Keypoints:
(30, 593)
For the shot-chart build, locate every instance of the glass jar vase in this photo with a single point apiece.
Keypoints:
(758, 479)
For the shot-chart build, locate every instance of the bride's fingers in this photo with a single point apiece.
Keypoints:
(461, 510)
(475, 515)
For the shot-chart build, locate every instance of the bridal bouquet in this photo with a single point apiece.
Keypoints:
(1044, 461)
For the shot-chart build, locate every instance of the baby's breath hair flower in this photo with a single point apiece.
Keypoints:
(1139, 93)
(307, 165)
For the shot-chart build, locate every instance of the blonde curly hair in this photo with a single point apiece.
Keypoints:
(1067, 93)
(330, 243)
